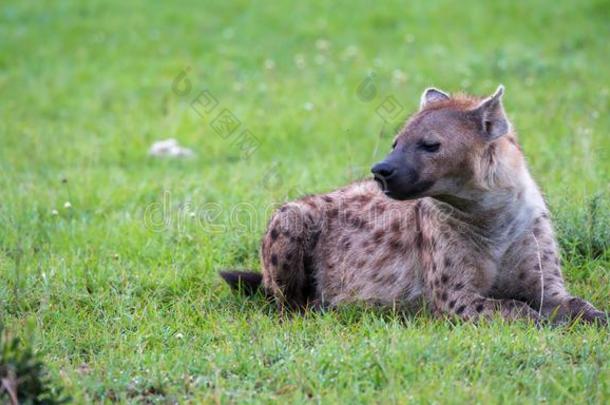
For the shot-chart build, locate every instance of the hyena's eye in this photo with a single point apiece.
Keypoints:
(429, 146)
(394, 144)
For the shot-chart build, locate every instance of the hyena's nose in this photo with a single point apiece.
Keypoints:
(383, 170)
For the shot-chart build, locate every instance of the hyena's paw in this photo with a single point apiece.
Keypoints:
(585, 311)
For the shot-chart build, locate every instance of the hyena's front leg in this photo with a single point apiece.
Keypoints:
(453, 289)
(555, 303)
(543, 288)
(538, 279)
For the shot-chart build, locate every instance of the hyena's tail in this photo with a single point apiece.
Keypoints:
(246, 282)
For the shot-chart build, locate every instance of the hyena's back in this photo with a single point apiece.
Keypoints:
(353, 244)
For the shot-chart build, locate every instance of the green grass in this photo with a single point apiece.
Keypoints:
(122, 288)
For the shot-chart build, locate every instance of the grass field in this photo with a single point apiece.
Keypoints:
(119, 290)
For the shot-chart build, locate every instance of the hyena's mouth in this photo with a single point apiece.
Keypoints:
(381, 182)
(412, 192)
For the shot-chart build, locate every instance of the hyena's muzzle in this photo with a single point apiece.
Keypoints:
(399, 180)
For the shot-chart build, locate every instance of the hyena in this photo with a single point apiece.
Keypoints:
(452, 218)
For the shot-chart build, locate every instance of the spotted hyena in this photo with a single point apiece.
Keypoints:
(452, 218)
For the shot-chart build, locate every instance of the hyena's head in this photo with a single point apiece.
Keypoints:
(443, 148)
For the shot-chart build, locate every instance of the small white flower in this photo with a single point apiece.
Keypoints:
(322, 44)
(192, 215)
(308, 106)
(54, 212)
(67, 205)
(398, 76)
(299, 61)
(269, 64)
(179, 335)
(350, 52)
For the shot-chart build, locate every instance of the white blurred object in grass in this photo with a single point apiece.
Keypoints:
(169, 147)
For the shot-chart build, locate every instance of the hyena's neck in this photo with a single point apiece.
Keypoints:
(497, 215)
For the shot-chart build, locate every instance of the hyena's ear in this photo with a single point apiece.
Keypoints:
(432, 95)
(492, 117)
